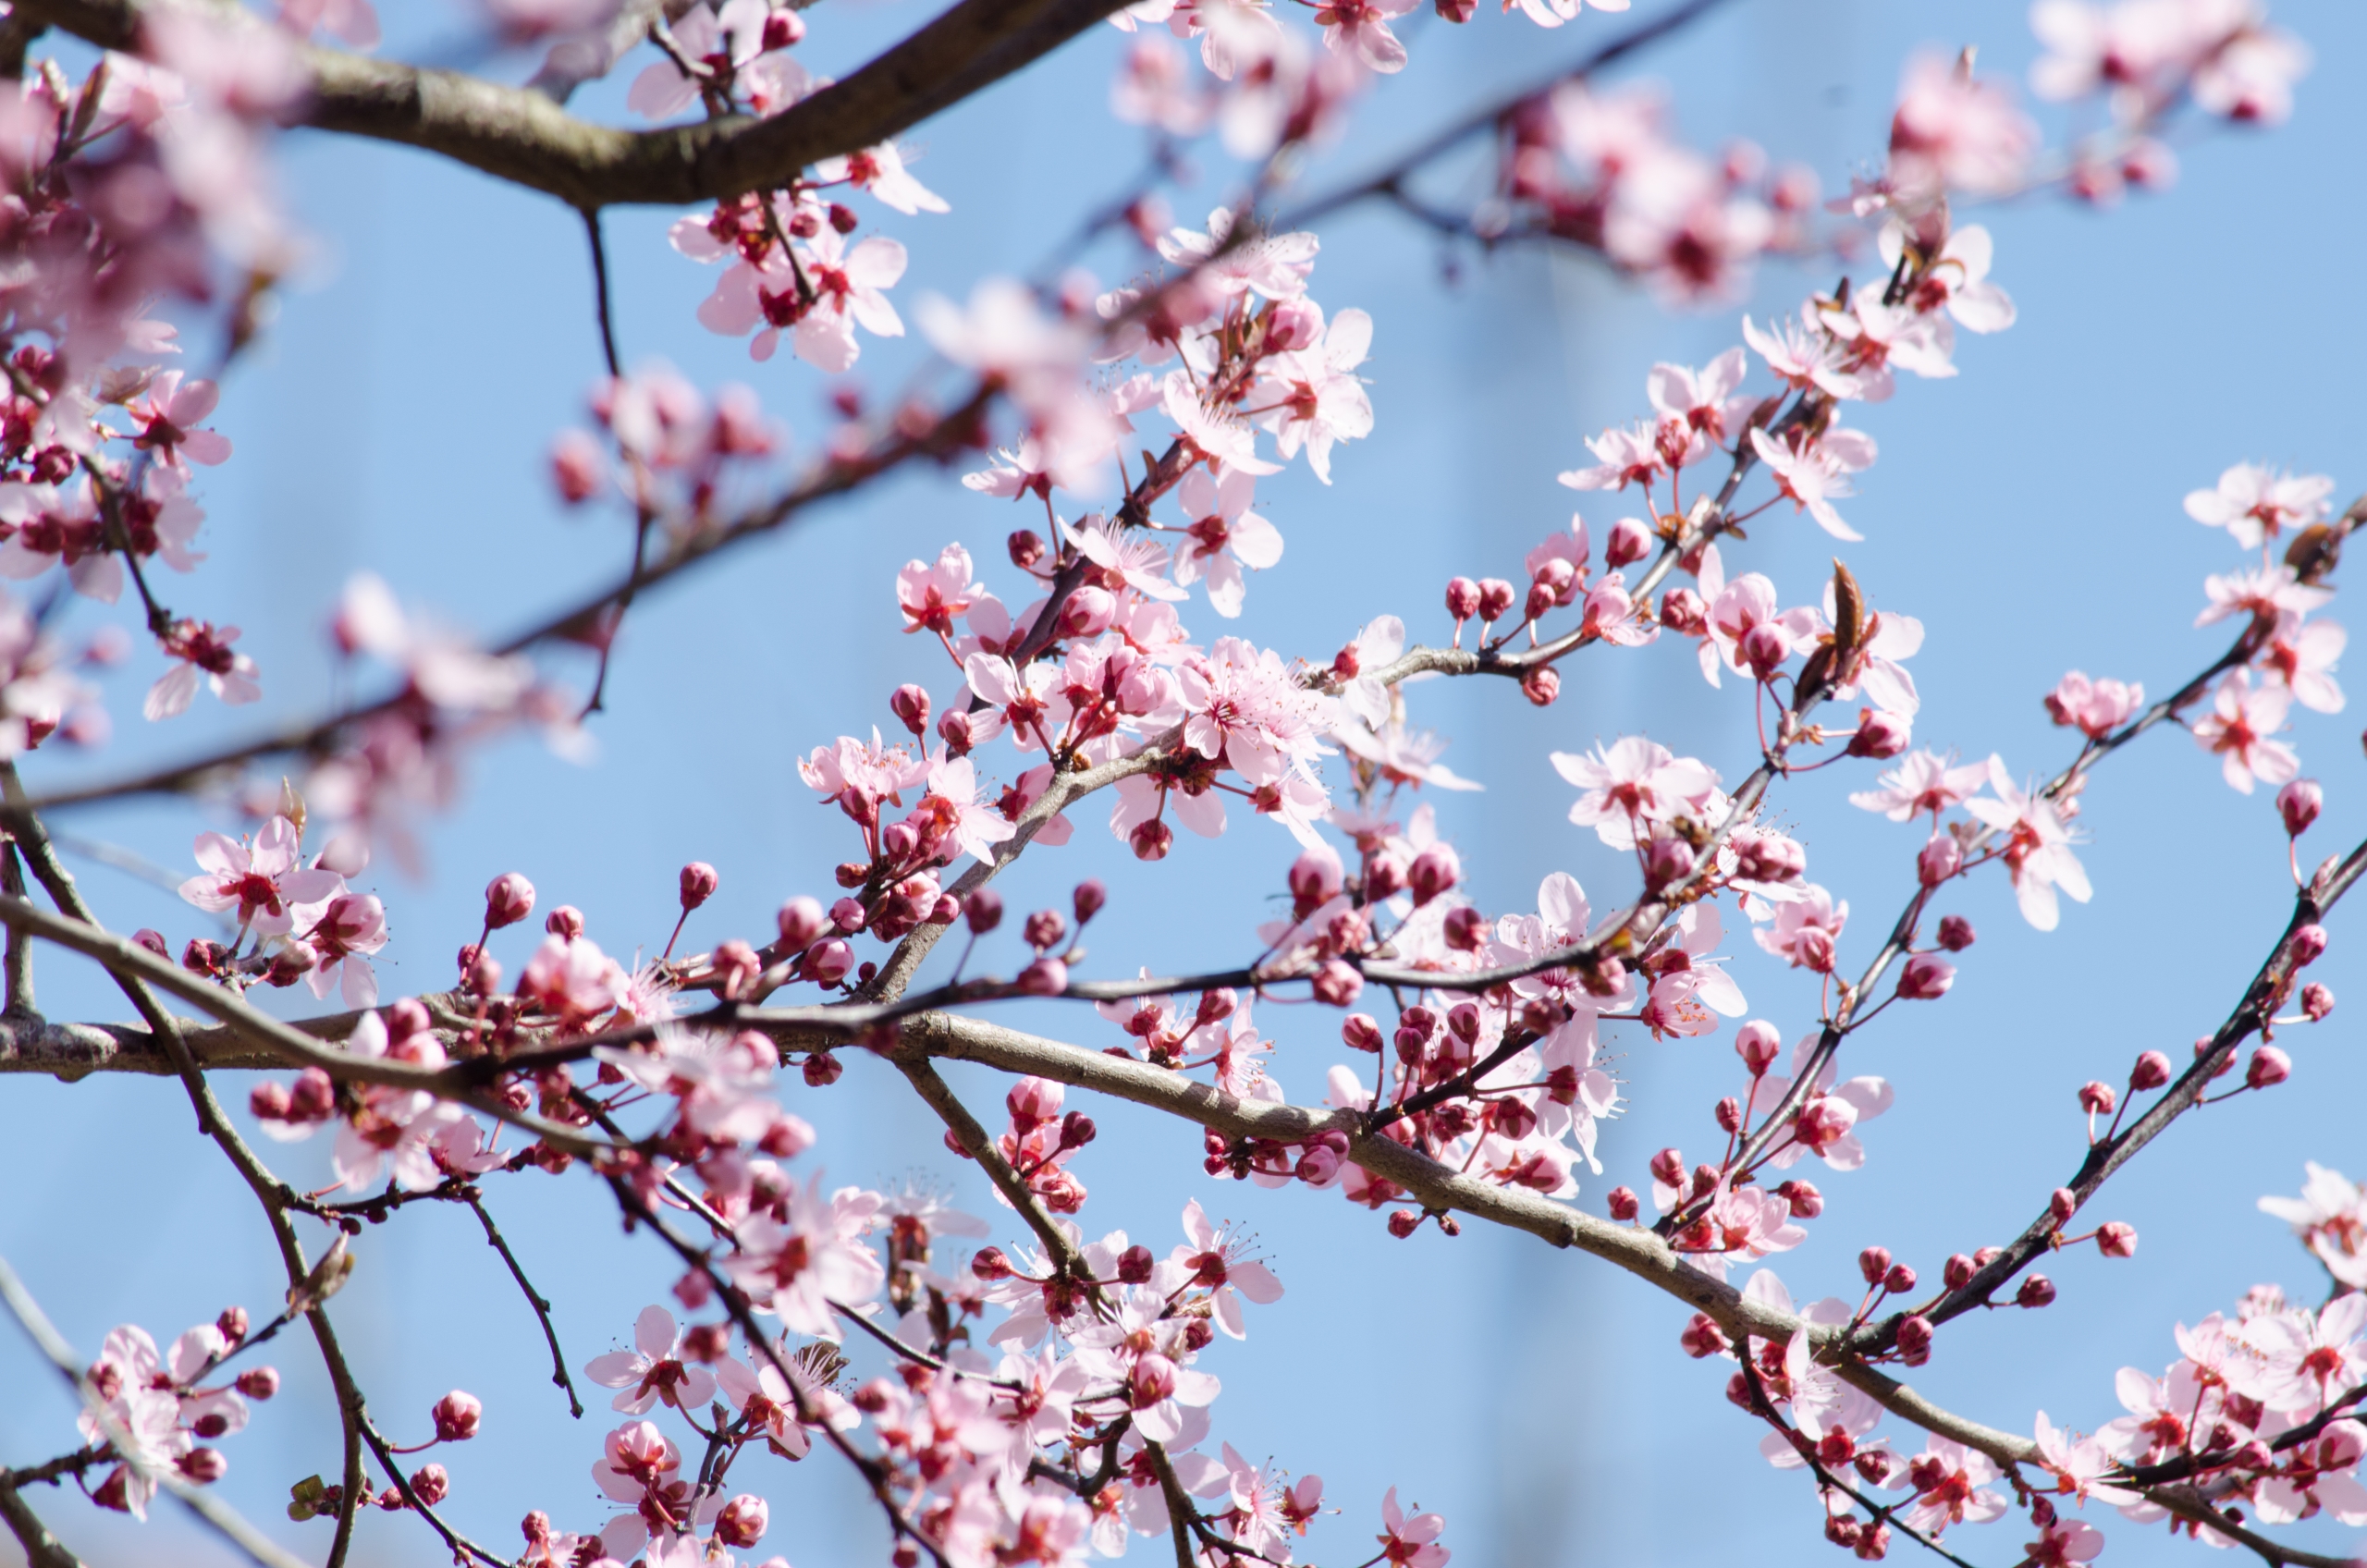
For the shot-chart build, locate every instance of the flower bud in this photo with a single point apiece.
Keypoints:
(1915, 1339)
(850, 873)
(1151, 840)
(953, 729)
(1540, 598)
(204, 1465)
(1881, 735)
(1338, 983)
(910, 704)
(783, 29)
(846, 915)
(698, 883)
(1045, 978)
(565, 922)
(1958, 1272)
(1044, 929)
(1758, 1044)
(1462, 598)
(1319, 1165)
(2298, 804)
(1926, 978)
(2316, 1002)
(153, 941)
(1666, 861)
(2268, 1068)
(1153, 1379)
(828, 962)
(268, 1100)
(577, 467)
(456, 1417)
(259, 1383)
(1702, 1338)
(1764, 648)
(1873, 1263)
(1026, 547)
(801, 920)
(1495, 598)
(1135, 1266)
(2307, 945)
(1088, 899)
(1630, 542)
(1623, 1202)
(983, 909)
(2153, 1070)
(2037, 1291)
(1668, 1167)
(1728, 1112)
(2097, 1099)
(1385, 875)
(843, 218)
(1956, 933)
(990, 1264)
(1938, 859)
(1899, 1281)
(1434, 871)
(743, 1519)
(1683, 612)
(1466, 929)
(1404, 1223)
(431, 1484)
(1541, 685)
(2116, 1238)
(2062, 1203)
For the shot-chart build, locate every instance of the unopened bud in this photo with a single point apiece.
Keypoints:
(1462, 598)
(1926, 978)
(1668, 1167)
(2062, 1205)
(1702, 1338)
(1899, 1281)
(2316, 1002)
(1361, 1031)
(983, 909)
(204, 1465)
(1940, 859)
(1758, 1044)
(1541, 685)
(1404, 1223)
(2116, 1238)
(2037, 1291)
(1873, 1263)
(1629, 542)
(1622, 1203)
(2268, 1067)
(910, 704)
(1956, 933)
(1495, 598)
(1151, 840)
(1915, 1339)
(2097, 1099)
(1135, 1266)
(2153, 1070)
(1434, 871)
(1881, 735)
(565, 922)
(2307, 945)
(990, 1264)
(258, 1382)
(1338, 983)
(458, 1417)
(1026, 547)
(1045, 978)
(1729, 1115)
(2298, 804)
(1958, 1272)
(1088, 899)
(698, 884)
(431, 1484)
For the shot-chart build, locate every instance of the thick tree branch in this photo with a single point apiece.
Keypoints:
(521, 135)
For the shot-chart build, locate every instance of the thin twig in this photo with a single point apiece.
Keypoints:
(533, 1298)
(600, 289)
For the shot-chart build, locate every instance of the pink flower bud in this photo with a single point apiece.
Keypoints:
(153, 941)
(577, 467)
(1404, 1223)
(2097, 1099)
(313, 1097)
(783, 29)
(204, 1465)
(2062, 1203)
(1462, 598)
(1899, 1281)
(2316, 1002)
(1495, 598)
(1361, 1031)
(1153, 1379)
(567, 921)
(1758, 1044)
(846, 915)
(1135, 1266)
(1338, 983)
(1881, 735)
(1956, 933)
(1630, 542)
(984, 910)
(1958, 1272)
(1434, 871)
(1045, 978)
(1319, 1165)
(742, 1521)
(456, 1417)
(1292, 324)
(268, 1100)
(953, 729)
(828, 962)
(1806, 1201)
(698, 885)
(1088, 899)
(1088, 612)
(1044, 928)
(1683, 612)
(1728, 1112)
(990, 1264)
(259, 1383)
(1541, 685)
(508, 898)
(2298, 804)
(2307, 945)
(801, 920)
(1915, 1339)
(1457, 11)
(1151, 840)
(1559, 577)
(1668, 1167)
(1466, 930)
(431, 1484)
(1926, 978)
(1940, 859)
(1702, 1338)
(2268, 1068)
(1622, 1203)
(1764, 648)
(1873, 1263)
(1666, 861)
(2116, 1239)
(2153, 1070)
(844, 218)
(1026, 547)
(910, 704)
(2037, 1291)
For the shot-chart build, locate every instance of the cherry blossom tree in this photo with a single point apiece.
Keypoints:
(1039, 1383)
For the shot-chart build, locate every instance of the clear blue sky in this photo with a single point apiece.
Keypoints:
(2028, 511)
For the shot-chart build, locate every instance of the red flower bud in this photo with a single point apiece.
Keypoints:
(1623, 1203)
(698, 883)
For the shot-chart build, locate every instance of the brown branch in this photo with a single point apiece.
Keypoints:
(41, 1548)
(520, 134)
(494, 1240)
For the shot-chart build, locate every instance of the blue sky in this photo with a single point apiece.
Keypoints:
(2028, 511)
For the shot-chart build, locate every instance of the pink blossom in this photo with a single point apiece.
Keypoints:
(1802, 353)
(1225, 536)
(1923, 782)
(1217, 433)
(1243, 705)
(2096, 707)
(351, 927)
(1632, 782)
(1951, 132)
(168, 413)
(262, 879)
(2295, 1361)
(635, 1458)
(1361, 28)
(1807, 930)
(934, 596)
(2241, 720)
(569, 976)
(1412, 1542)
(1622, 457)
(1214, 1257)
(1813, 469)
(2251, 76)
(2269, 591)
(1957, 279)
(975, 827)
(1951, 1480)
(1312, 396)
(1703, 399)
(2255, 503)
(2303, 657)
(1274, 265)
(1743, 1224)
(2331, 1219)
(2038, 849)
(798, 1267)
(654, 1370)
(880, 170)
(1136, 559)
